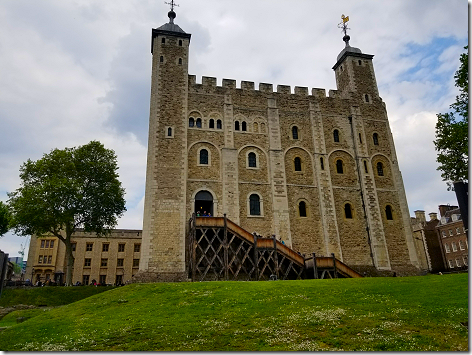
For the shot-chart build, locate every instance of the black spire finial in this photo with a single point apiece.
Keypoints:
(172, 15)
(343, 26)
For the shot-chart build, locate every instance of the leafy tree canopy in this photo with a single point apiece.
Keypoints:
(4, 218)
(68, 189)
(452, 128)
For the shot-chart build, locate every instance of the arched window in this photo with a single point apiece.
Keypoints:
(169, 132)
(236, 125)
(254, 205)
(204, 157)
(191, 122)
(339, 166)
(348, 211)
(302, 209)
(388, 212)
(322, 163)
(218, 124)
(295, 132)
(212, 123)
(336, 135)
(375, 136)
(243, 126)
(255, 127)
(298, 164)
(199, 122)
(365, 167)
(251, 160)
(380, 170)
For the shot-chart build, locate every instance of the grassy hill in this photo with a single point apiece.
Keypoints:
(396, 314)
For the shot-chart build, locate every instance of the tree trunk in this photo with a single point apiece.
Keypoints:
(69, 256)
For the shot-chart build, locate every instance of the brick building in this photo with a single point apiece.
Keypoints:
(319, 171)
(453, 238)
(108, 260)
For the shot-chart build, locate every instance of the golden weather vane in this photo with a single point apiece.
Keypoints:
(343, 24)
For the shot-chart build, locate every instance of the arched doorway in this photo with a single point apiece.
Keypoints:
(204, 203)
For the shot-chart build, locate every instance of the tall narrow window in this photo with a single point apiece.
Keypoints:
(388, 212)
(251, 158)
(169, 132)
(199, 122)
(295, 132)
(180, 43)
(191, 122)
(339, 166)
(302, 209)
(212, 123)
(365, 167)
(254, 205)
(236, 125)
(375, 137)
(366, 96)
(322, 163)
(180, 61)
(161, 59)
(336, 135)
(255, 128)
(218, 124)
(298, 164)
(360, 138)
(243, 126)
(348, 211)
(163, 40)
(380, 170)
(204, 157)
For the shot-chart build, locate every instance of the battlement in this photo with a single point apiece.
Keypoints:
(208, 81)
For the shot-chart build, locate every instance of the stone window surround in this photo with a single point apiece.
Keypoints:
(307, 208)
(301, 171)
(336, 136)
(257, 167)
(261, 205)
(299, 133)
(209, 156)
(166, 131)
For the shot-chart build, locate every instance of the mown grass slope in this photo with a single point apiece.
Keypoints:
(395, 314)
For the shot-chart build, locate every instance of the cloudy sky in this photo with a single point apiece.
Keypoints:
(75, 71)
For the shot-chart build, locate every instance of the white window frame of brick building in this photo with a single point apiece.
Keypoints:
(458, 231)
(461, 245)
(451, 264)
(450, 232)
(458, 263)
(465, 260)
(446, 247)
(444, 235)
(454, 246)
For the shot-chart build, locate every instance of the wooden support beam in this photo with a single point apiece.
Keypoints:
(225, 248)
(256, 257)
(315, 269)
(334, 266)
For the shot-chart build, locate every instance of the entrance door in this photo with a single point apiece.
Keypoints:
(203, 203)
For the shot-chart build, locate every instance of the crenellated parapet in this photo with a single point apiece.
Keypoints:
(208, 82)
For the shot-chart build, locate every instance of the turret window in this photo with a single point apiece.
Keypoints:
(366, 98)
(380, 171)
(302, 209)
(199, 123)
(204, 157)
(191, 122)
(322, 163)
(254, 205)
(161, 59)
(365, 167)
(360, 138)
(348, 211)
(294, 132)
(339, 166)
(180, 61)
(336, 135)
(298, 164)
(180, 43)
(388, 212)
(212, 123)
(218, 124)
(236, 125)
(375, 138)
(252, 160)
(243, 126)
(163, 40)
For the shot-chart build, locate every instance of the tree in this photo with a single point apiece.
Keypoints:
(4, 218)
(452, 131)
(66, 190)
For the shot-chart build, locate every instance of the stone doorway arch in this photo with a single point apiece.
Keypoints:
(204, 203)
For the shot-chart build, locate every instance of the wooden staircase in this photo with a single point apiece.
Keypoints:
(219, 249)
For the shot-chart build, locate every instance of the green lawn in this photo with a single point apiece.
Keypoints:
(394, 314)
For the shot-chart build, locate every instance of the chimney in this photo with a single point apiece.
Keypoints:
(420, 216)
(433, 216)
(444, 208)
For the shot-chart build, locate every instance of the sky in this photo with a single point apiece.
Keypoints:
(76, 71)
